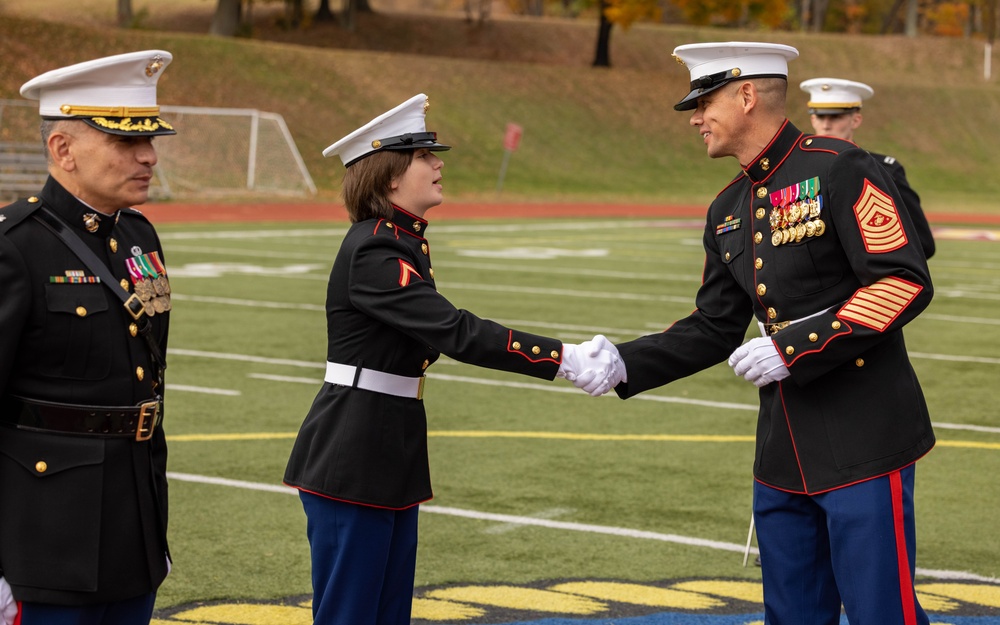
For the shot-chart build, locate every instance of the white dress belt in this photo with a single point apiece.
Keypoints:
(376, 381)
(785, 324)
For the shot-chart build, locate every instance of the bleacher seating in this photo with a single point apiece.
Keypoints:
(23, 170)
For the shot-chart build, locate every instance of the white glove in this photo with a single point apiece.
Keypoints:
(758, 361)
(8, 606)
(593, 366)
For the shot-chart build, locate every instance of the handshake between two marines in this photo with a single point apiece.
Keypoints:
(593, 366)
(596, 367)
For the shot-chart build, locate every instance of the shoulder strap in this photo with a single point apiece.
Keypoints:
(133, 305)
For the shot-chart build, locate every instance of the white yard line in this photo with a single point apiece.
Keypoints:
(508, 519)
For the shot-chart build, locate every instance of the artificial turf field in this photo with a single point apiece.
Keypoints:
(550, 507)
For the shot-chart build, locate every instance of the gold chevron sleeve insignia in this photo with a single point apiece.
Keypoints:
(879, 221)
(406, 272)
(876, 306)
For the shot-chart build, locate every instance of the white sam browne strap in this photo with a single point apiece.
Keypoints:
(375, 381)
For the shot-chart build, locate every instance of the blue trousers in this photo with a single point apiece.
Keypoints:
(853, 546)
(363, 562)
(133, 611)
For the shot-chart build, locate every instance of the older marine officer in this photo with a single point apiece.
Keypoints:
(810, 239)
(84, 313)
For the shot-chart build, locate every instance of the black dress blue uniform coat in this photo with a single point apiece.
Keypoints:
(852, 407)
(84, 517)
(384, 313)
(911, 200)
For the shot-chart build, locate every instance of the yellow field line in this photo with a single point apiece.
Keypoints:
(570, 436)
(969, 444)
(581, 436)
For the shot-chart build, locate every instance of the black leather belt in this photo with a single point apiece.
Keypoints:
(104, 421)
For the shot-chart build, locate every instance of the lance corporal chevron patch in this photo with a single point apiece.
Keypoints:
(406, 272)
(878, 220)
(877, 305)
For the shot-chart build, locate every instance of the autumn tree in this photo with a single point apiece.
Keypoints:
(624, 13)
(477, 11)
(124, 13)
(743, 13)
(228, 18)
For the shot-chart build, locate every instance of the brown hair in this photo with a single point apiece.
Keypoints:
(772, 92)
(367, 184)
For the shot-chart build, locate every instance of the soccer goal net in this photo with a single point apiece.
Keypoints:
(216, 151)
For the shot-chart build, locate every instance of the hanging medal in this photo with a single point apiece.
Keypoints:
(161, 279)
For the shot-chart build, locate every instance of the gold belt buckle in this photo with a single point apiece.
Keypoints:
(147, 420)
(134, 307)
(420, 387)
(773, 328)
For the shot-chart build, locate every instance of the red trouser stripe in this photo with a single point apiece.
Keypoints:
(902, 558)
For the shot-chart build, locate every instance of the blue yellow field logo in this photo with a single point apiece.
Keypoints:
(592, 602)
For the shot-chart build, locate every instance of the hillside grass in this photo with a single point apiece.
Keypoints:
(589, 134)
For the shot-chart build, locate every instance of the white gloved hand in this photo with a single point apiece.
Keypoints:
(593, 366)
(8, 606)
(758, 361)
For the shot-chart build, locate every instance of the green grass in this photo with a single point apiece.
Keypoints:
(589, 134)
(238, 544)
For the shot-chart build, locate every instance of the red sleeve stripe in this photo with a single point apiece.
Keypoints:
(876, 306)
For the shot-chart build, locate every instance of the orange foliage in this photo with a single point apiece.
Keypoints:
(768, 13)
(626, 12)
(948, 18)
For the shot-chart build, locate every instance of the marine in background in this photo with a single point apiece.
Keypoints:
(835, 111)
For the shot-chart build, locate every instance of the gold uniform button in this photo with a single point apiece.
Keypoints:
(124, 284)
(416, 226)
(554, 354)
(761, 289)
(809, 141)
(789, 350)
(133, 329)
(426, 364)
(516, 345)
(33, 199)
(727, 255)
(762, 192)
(389, 224)
(81, 311)
(860, 362)
(140, 373)
(424, 248)
(41, 466)
(813, 337)
(432, 272)
(761, 213)
(757, 238)
(536, 350)
(772, 313)
(835, 325)
(114, 245)
(759, 263)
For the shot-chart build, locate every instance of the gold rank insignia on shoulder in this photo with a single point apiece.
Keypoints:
(880, 225)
